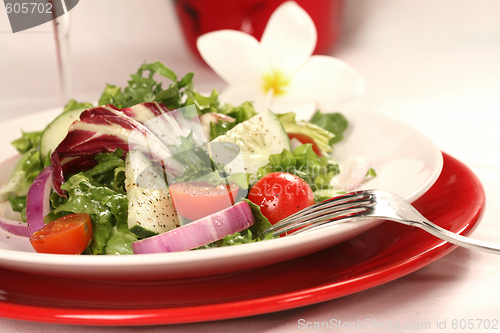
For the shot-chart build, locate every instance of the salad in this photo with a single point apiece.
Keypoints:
(152, 169)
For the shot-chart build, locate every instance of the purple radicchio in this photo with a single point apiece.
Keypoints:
(104, 129)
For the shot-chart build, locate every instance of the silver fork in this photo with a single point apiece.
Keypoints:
(370, 205)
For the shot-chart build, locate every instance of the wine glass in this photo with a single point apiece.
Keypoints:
(62, 25)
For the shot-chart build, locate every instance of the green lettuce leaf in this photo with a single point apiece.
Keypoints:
(204, 104)
(261, 223)
(74, 105)
(304, 163)
(17, 185)
(335, 123)
(240, 113)
(200, 167)
(17, 203)
(110, 171)
(106, 208)
(27, 141)
(142, 87)
(25, 171)
(198, 163)
(98, 192)
(120, 242)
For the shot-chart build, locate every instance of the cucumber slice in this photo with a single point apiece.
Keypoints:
(258, 138)
(150, 209)
(57, 130)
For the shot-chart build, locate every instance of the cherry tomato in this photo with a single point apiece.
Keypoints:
(306, 139)
(194, 200)
(69, 234)
(280, 194)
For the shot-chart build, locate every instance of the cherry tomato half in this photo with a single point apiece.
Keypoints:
(194, 200)
(306, 139)
(280, 194)
(69, 234)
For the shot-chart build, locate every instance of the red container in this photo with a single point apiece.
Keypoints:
(198, 17)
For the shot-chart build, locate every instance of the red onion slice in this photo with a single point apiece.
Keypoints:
(38, 200)
(195, 234)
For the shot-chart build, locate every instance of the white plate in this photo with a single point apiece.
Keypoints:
(406, 162)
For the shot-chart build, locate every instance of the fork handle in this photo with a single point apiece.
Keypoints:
(454, 238)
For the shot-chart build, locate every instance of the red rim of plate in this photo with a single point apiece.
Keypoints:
(359, 264)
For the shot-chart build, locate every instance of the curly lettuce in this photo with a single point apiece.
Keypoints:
(99, 192)
(144, 88)
(304, 163)
(334, 123)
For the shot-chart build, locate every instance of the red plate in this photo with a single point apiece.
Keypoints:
(382, 254)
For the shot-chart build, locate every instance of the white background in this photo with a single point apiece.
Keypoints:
(432, 64)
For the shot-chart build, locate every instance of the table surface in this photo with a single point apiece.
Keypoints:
(432, 64)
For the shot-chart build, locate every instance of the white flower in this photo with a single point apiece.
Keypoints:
(279, 72)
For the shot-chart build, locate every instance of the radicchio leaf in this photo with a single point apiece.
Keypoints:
(105, 129)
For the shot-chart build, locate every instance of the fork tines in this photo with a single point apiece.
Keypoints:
(334, 209)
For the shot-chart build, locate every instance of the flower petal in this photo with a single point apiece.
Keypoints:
(236, 94)
(289, 38)
(328, 80)
(235, 56)
(303, 106)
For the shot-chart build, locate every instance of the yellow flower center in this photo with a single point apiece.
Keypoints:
(276, 82)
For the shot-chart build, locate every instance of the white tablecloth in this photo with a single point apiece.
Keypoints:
(432, 64)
